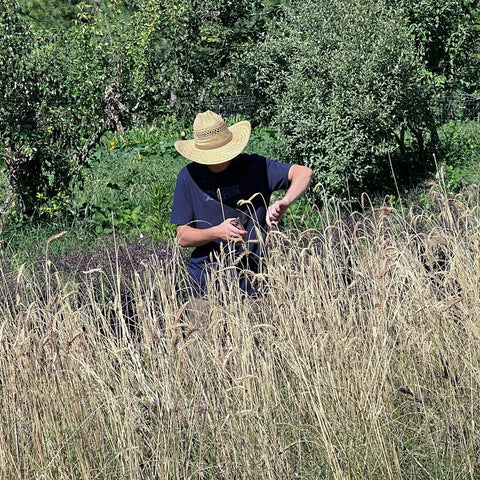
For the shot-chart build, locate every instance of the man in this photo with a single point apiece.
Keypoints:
(221, 200)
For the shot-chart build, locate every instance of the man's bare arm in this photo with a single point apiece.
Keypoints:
(300, 178)
(188, 236)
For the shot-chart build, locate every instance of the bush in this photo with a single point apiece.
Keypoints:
(447, 37)
(60, 94)
(459, 153)
(342, 83)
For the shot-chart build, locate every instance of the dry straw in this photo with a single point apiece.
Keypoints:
(360, 360)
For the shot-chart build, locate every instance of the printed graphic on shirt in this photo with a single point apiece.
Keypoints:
(208, 197)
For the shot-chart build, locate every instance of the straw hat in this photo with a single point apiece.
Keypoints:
(213, 142)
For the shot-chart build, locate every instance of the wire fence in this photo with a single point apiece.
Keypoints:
(231, 105)
(460, 106)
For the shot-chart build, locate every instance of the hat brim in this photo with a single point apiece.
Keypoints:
(240, 136)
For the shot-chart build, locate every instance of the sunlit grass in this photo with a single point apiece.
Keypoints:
(360, 360)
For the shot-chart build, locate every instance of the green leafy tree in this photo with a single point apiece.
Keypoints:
(447, 35)
(191, 49)
(51, 15)
(59, 95)
(342, 82)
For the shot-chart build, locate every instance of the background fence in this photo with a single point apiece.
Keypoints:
(460, 106)
(231, 105)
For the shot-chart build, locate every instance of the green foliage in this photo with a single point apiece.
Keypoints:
(189, 50)
(63, 91)
(157, 223)
(263, 140)
(341, 81)
(46, 106)
(129, 186)
(459, 154)
(60, 94)
(447, 37)
(52, 15)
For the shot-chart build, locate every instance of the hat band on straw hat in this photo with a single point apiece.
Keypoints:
(212, 139)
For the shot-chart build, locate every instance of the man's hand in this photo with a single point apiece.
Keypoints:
(276, 211)
(299, 177)
(231, 231)
(228, 231)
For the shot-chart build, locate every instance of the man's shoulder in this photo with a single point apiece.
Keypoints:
(255, 158)
(187, 172)
(255, 162)
(252, 162)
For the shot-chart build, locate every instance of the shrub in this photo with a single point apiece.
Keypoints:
(341, 80)
(60, 93)
(51, 112)
(447, 36)
(459, 153)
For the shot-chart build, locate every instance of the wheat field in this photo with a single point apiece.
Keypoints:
(359, 360)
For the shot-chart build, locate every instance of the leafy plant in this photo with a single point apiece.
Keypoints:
(341, 82)
(447, 37)
(129, 185)
(157, 223)
(61, 93)
(459, 154)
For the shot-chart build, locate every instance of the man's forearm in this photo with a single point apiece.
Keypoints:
(300, 178)
(196, 237)
(228, 231)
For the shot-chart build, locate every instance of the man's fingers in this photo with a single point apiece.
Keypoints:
(275, 212)
(272, 222)
(238, 227)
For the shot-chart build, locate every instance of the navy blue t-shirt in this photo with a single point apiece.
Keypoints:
(204, 199)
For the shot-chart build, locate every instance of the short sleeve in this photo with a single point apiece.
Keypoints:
(182, 209)
(277, 174)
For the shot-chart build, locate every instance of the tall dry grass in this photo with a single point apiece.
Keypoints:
(361, 360)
